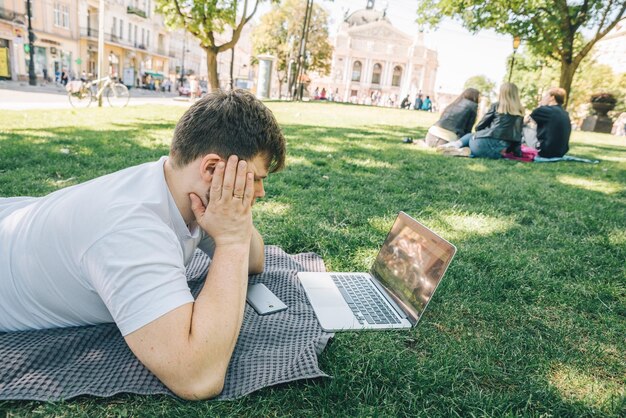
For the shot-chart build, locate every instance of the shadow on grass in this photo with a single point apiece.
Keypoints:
(37, 162)
(528, 320)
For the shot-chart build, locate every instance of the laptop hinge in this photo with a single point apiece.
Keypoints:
(391, 298)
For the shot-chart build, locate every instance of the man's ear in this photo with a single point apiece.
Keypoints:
(207, 166)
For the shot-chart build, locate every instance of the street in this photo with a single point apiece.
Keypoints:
(19, 95)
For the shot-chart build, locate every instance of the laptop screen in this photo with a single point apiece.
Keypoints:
(411, 263)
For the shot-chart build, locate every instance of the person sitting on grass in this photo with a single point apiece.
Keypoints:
(427, 105)
(418, 102)
(114, 249)
(457, 119)
(553, 124)
(406, 103)
(499, 131)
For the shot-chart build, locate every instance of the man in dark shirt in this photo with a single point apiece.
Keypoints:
(553, 124)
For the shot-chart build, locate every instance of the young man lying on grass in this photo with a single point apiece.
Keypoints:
(115, 248)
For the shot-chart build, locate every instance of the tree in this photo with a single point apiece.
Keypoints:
(534, 75)
(203, 19)
(279, 34)
(550, 28)
(481, 83)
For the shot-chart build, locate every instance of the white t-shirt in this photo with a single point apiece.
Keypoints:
(112, 249)
(442, 133)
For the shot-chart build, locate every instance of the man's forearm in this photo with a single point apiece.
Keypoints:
(257, 253)
(223, 296)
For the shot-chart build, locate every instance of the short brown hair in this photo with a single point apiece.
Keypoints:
(228, 123)
(558, 93)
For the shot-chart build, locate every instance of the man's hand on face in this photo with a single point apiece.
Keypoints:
(227, 217)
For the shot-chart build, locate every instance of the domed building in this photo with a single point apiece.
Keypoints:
(374, 62)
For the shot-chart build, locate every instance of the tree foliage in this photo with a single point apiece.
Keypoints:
(206, 18)
(279, 34)
(549, 28)
(482, 83)
(534, 75)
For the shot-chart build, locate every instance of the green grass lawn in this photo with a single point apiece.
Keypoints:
(529, 320)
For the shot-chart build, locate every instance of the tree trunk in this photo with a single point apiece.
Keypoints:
(211, 62)
(280, 89)
(568, 69)
(281, 80)
(232, 66)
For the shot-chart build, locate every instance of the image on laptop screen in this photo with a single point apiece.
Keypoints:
(412, 262)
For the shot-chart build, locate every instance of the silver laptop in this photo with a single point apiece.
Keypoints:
(395, 293)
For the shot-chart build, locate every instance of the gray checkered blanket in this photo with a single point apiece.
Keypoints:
(63, 363)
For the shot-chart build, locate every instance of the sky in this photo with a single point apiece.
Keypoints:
(461, 55)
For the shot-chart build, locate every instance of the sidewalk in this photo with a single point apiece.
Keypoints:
(19, 95)
(52, 88)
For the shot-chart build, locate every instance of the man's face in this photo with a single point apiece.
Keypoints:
(547, 100)
(257, 165)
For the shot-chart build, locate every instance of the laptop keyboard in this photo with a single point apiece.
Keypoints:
(364, 300)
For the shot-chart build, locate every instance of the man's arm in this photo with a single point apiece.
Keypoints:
(540, 114)
(257, 253)
(189, 348)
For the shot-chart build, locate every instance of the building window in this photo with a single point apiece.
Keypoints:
(148, 38)
(121, 32)
(356, 71)
(130, 32)
(378, 69)
(114, 65)
(66, 16)
(57, 14)
(61, 15)
(397, 76)
(143, 36)
(114, 26)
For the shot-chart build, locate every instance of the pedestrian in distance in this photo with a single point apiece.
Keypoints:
(406, 103)
(418, 102)
(427, 105)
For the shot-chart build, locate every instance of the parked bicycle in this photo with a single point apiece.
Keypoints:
(81, 94)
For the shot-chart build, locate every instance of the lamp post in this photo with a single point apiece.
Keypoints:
(232, 51)
(32, 78)
(101, 69)
(516, 41)
(182, 67)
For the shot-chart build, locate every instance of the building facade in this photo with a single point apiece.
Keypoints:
(55, 25)
(12, 35)
(136, 41)
(374, 61)
(611, 50)
(138, 48)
